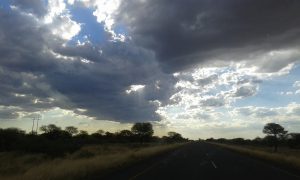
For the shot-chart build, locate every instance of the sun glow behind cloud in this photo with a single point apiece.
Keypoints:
(130, 61)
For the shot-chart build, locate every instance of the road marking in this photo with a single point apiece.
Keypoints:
(214, 165)
(286, 172)
(144, 171)
(155, 164)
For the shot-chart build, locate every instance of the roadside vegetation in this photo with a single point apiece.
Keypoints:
(73, 154)
(278, 146)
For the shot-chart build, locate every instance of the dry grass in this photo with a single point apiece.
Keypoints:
(285, 156)
(84, 163)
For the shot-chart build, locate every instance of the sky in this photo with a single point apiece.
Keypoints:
(201, 68)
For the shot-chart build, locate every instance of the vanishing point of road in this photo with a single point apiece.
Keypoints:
(204, 161)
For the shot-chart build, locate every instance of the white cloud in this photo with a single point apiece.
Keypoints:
(105, 10)
(278, 113)
(296, 84)
(257, 112)
(65, 28)
(134, 88)
(55, 8)
(287, 93)
(58, 20)
(214, 86)
(293, 109)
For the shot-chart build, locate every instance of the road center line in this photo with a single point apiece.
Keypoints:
(214, 165)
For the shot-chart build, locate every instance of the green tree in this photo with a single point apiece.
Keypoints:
(50, 128)
(100, 132)
(276, 131)
(143, 130)
(54, 132)
(125, 133)
(72, 130)
(175, 136)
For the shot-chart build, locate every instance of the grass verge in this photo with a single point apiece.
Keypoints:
(283, 159)
(88, 161)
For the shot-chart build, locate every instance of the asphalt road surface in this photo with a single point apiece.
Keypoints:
(203, 161)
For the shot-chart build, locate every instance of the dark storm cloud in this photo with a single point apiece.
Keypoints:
(23, 63)
(184, 33)
(38, 72)
(36, 7)
(100, 87)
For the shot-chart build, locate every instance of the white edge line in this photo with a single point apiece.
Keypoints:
(214, 165)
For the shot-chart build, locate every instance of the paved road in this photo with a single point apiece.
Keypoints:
(204, 161)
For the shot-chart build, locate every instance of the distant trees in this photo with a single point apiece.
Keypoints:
(275, 131)
(72, 130)
(143, 130)
(275, 135)
(293, 140)
(56, 141)
(174, 137)
(125, 133)
(49, 128)
(52, 131)
(100, 132)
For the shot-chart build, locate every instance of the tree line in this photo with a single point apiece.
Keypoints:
(276, 136)
(57, 141)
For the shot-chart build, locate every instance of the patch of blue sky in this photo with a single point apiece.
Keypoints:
(269, 92)
(120, 29)
(90, 28)
(5, 5)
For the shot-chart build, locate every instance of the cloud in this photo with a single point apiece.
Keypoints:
(182, 34)
(257, 112)
(245, 91)
(279, 113)
(42, 70)
(36, 7)
(214, 87)
(293, 109)
(213, 101)
(8, 113)
(179, 60)
(297, 85)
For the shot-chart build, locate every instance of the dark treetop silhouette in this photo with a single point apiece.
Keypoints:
(275, 131)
